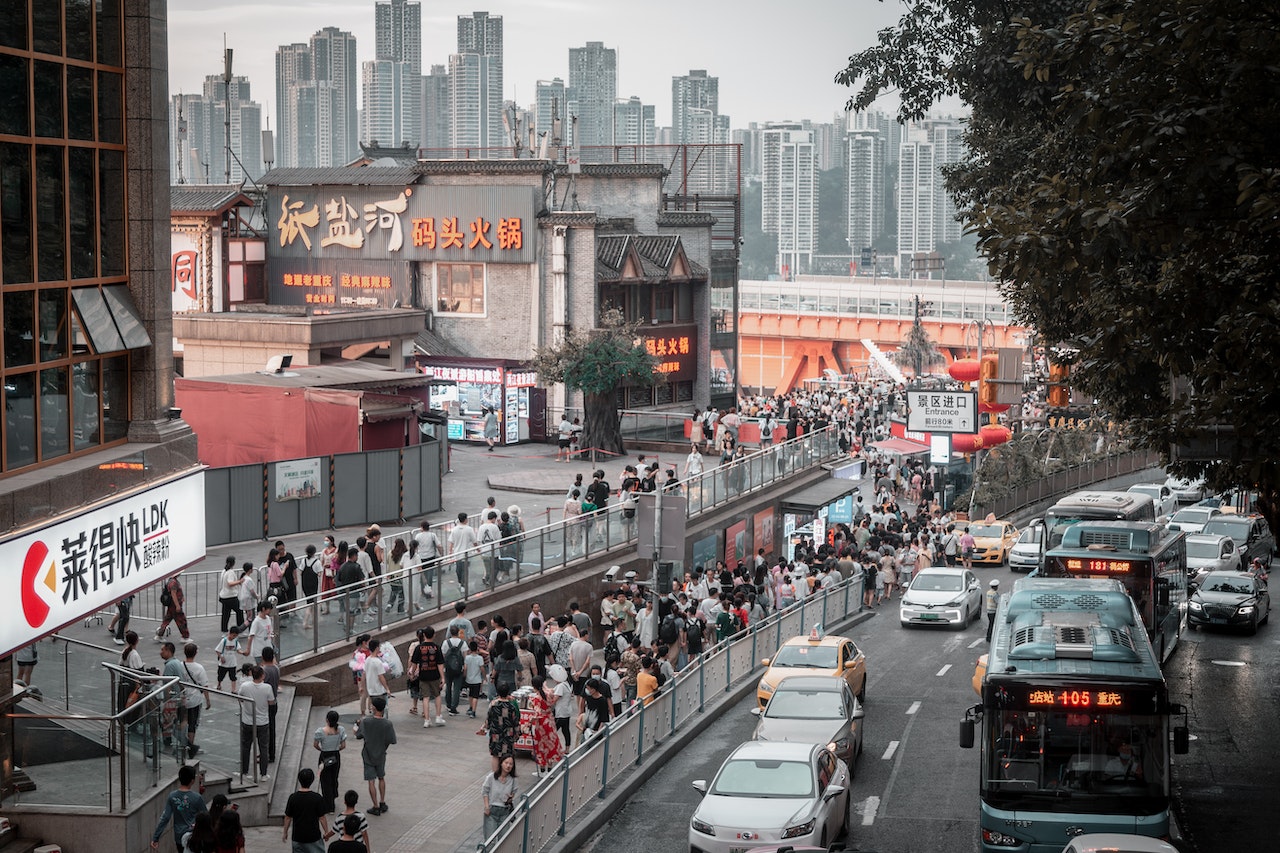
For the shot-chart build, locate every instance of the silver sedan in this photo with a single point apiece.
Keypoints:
(817, 709)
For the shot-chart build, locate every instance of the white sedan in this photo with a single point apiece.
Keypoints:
(941, 596)
(770, 793)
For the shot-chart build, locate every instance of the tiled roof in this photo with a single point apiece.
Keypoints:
(428, 342)
(367, 176)
(655, 254)
(206, 198)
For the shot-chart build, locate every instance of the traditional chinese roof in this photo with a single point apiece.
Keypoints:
(685, 217)
(206, 199)
(482, 167)
(428, 342)
(361, 176)
(351, 376)
(632, 258)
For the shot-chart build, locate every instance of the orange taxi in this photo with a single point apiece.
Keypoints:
(815, 653)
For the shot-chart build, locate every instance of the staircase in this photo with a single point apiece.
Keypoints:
(884, 362)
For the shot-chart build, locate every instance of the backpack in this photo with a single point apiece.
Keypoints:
(766, 430)
(667, 630)
(611, 651)
(453, 657)
(166, 596)
(693, 632)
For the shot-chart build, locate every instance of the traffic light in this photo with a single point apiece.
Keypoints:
(1059, 391)
(987, 374)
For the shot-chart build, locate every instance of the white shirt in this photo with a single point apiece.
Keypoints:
(564, 700)
(229, 577)
(259, 634)
(261, 694)
(490, 533)
(692, 464)
(461, 538)
(428, 544)
(374, 667)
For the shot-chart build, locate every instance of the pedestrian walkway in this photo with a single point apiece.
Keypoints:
(433, 775)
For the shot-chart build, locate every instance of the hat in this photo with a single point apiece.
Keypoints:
(995, 582)
(556, 672)
(379, 703)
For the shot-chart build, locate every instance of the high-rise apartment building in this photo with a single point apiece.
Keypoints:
(392, 113)
(633, 122)
(436, 109)
(926, 213)
(865, 172)
(593, 77)
(475, 83)
(551, 104)
(693, 91)
(199, 141)
(316, 101)
(790, 193)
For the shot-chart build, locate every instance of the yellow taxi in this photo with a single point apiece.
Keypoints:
(979, 674)
(815, 653)
(992, 540)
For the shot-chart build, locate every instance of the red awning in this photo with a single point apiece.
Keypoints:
(900, 446)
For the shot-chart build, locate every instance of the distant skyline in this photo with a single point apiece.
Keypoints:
(776, 61)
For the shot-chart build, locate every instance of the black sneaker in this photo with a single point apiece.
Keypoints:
(374, 810)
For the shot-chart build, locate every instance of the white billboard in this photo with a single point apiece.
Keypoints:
(75, 567)
(942, 411)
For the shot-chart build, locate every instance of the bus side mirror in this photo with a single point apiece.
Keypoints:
(966, 734)
(1181, 740)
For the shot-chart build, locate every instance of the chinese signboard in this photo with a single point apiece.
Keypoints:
(195, 273)
(484, 375)
(298, 479)
(676, 349)
(942, 411)
(65, 571)
(345, 236)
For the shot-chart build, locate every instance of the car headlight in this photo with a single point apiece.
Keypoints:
(766, 687)
(702, 826)
(798, 830)
(1194, 605)
(1245, 609)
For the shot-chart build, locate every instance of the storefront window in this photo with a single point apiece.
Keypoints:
(460, 289)
(664, 305)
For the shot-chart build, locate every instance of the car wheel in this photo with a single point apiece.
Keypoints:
(1253, 626)
(861, 696)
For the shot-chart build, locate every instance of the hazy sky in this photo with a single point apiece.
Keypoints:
(776, 59)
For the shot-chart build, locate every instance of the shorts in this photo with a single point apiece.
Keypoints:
(563, 443)
(579, 686)
(227, 671)
(193, 717)
(429, 689)
(472, 690)
(373, 772)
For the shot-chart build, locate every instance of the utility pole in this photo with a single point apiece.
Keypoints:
(226, 108)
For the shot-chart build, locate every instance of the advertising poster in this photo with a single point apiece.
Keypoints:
(736, 545)
(764, 531)
(511, 419)
(298, 479)
(704, 551)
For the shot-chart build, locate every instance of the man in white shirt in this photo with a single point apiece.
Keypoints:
(489, 535)
(426, 547)
(564, 438)
(254, 719)
(261, 632)
(375, 672)
(462, 538)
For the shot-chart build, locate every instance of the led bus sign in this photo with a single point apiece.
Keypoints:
(1098, 566)
(1103, 700)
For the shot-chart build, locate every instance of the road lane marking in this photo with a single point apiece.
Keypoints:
(888, 753)
(943, 671)
(915, 706)
(951, 645)
(1228, 662)
(977, 642)
(869, 809)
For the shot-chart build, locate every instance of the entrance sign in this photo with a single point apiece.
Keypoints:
(942, 411)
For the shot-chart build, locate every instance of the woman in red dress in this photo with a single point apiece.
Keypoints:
(547, 748)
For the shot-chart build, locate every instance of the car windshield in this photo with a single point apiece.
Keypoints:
(813, 657)
(1031, 535)
(1203, 550)
(1227, 583)
(986, 531)
(764, 778)
(805, 705)
(1235, 529)
(1194, 516)
(931, 582)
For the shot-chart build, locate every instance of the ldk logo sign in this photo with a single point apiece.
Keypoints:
(39, 583)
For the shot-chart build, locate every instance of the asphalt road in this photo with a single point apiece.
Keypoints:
(915, 789)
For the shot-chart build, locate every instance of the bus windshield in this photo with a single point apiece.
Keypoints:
(1071, 761)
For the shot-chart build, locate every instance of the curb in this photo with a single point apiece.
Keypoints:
(588, 822)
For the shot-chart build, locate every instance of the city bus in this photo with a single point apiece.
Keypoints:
(1092, 506)
(1074, 725)
(1148, 560)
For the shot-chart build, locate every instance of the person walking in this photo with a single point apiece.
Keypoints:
(304, 811)
(174, 602)
(502, 725)
(379, 734)
(427, 549)
(119, 625)
(498, 791)
(992, 601)
(196, 690)
(329, 741)
(491, 427)
(271, 677)
(255, 717)
(181, 807)
(350, 577)
(462, 538)
(453, 655)
(229, 594)
(312, 570)
(967, 544)
(564, 437)
(547, 748)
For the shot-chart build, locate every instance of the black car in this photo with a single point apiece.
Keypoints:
(1251, 533)
(1230, 600)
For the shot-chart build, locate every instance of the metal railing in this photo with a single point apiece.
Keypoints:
(1068, 480)
(587, 773)
(308, 624)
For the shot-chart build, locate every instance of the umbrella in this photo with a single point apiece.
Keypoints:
(556, 672)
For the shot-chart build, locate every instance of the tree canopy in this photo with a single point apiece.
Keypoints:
(1121, 178)
(917, 351)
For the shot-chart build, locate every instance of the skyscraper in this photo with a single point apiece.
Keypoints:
(436, 108)
(593, 77)
(694, 91)
(393, 79)
(926, 213)
(477, 93)
(550, 99)
(864, 168)
(633, 122)
(203, 147)
(790, 193)
(316, 101)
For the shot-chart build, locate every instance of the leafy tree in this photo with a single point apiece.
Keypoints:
(917, 351)
(1122, 181)
(597, 362)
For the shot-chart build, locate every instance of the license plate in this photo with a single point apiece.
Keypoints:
(738, 849)
(1218, 620)
(930, 617)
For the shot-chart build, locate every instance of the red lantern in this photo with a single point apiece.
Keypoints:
(993, 434)
(993, 407)
(964, 370)
(966, 443)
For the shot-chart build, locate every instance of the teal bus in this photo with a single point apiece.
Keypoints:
(1075, 720)
(1091, 506)
(1150, 561)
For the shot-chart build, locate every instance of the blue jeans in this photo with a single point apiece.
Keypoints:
(452, 691)
(308, 846)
